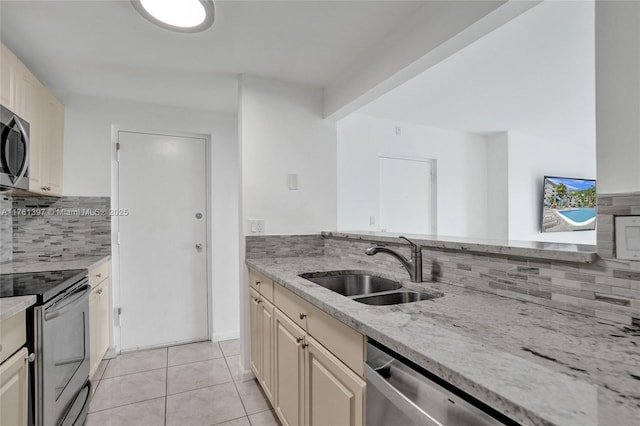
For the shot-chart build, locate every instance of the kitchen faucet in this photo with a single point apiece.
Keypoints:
(413, 266)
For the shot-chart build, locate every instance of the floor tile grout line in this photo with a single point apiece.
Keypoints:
(193, 362)
(230, 420)
(244, 408)
(125, 405)
(131, 374)
(199, 388)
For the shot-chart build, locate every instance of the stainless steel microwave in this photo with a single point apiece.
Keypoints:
(14, 151)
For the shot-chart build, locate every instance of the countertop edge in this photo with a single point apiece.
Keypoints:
(10, 306)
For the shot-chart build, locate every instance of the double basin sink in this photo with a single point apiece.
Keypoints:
(366, 288)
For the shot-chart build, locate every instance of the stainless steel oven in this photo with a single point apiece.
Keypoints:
(61, 343)
(58, 339)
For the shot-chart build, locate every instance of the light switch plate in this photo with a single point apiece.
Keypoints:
(628, 237)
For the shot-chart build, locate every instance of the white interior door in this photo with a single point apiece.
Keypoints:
(163, 253)
(407, 195)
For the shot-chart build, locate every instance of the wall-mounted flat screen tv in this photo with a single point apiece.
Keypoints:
(568, 204)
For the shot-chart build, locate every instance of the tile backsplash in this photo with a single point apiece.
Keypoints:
(607, 288)
(6, 230)
(261, 246)
(49, 227)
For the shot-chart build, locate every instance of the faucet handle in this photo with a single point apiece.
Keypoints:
(413, 245)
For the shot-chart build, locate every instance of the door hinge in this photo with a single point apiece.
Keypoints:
(117, 151)
(119, 313)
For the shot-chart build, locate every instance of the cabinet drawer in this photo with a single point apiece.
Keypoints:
(13, 335)
(261, 284)
(343, 341)
(99, 274)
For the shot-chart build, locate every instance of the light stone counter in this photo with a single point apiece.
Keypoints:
(537, 365)
(53, 264)
(9, 306)
(560, 252)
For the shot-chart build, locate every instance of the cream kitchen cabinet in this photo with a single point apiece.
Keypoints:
(99, 315)
(14, 371)
(24, 94)
(8, 78)
(262, 341)
(261, 293)
(289, 370)
(317, 361)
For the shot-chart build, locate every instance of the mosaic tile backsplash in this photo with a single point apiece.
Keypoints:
(56, 228)
(607, 289)
(261, 246)
(6, 230)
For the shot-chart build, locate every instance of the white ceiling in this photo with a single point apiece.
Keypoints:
(105, 48)
(535, 74)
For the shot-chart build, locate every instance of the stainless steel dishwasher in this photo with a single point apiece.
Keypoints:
(400, 393)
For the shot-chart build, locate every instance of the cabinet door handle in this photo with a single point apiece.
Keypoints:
(258, 283)
(304, 345)
(99, 291)
(98, 275)
(302, 316)
(298, 339)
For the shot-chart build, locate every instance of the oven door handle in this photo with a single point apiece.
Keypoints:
(68, 303)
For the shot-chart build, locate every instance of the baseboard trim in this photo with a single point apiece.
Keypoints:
(227, 335)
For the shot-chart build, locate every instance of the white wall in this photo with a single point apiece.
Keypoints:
(498, 184)
(461, 172)
(282, 131)
(87, 172)
(618, 96)
(530, 159)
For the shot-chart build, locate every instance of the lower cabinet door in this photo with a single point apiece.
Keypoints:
(255, 313)
(334, 393)
(289, 370)
(14, 385)
(266, 347)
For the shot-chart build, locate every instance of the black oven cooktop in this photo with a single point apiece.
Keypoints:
(44, 285)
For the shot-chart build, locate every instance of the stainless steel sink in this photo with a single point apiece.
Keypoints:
(395, 297)
(351, 283)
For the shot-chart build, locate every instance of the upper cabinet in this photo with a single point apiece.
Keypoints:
(22, 93)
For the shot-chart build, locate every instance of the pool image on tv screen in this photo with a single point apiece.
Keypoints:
(568, 205)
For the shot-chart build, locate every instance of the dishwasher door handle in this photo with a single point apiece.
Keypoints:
(393, 395)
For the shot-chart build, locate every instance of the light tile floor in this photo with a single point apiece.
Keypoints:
(188, 385)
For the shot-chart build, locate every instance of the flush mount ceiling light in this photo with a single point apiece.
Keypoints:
(186, 16)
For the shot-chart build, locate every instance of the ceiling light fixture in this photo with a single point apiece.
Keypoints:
(186, 16)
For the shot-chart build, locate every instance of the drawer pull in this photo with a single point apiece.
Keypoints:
(302, 316)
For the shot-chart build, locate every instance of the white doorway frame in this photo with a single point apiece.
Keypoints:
(433, 163)
(116, 348)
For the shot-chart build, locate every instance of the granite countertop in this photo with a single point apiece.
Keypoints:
(9, 306)
(52, 264)
(563, 252)
(537, 365)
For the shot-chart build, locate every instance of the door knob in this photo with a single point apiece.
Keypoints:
(198, 246)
